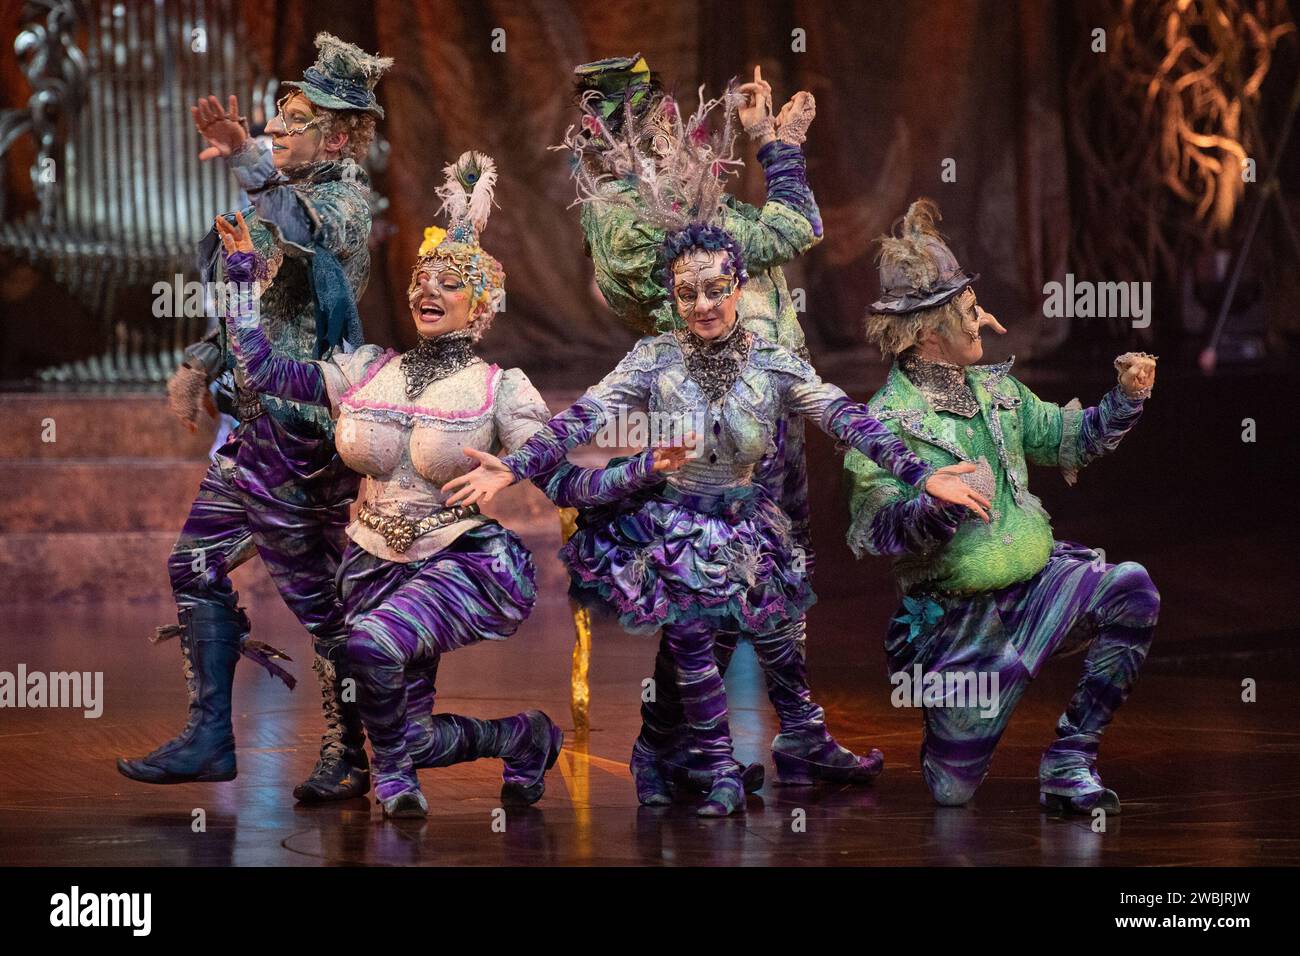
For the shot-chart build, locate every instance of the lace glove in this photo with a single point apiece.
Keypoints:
(1137, 374)
(795, 117)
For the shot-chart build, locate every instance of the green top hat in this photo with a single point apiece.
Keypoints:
(618, 80)
(343, 76)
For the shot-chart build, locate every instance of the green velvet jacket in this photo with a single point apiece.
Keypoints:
(1014, 428)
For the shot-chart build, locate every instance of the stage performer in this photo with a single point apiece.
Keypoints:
(421, 578)
(709, 549)
(996, 599)
(624, 243)
(276, 487)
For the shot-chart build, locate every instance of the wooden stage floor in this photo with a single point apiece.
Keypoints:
(1204, 778)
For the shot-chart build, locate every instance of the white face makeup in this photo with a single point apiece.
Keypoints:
(441, 302)
(705, 293)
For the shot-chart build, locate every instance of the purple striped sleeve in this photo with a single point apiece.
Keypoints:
(572, 427)
(265, 372)
(854, 425)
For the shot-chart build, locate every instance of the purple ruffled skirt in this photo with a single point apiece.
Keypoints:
(674, 557)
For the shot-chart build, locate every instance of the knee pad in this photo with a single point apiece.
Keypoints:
(1138, 593)
(947, 790)
(364, 650)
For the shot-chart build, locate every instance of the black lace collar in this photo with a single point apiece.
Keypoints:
(436, 358)
(715, 364)
(943, 384)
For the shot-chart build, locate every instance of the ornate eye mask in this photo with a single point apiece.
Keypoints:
(710, 293)
(299, 126)
(448, 274)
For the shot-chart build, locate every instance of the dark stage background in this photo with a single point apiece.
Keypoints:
(1062, 155)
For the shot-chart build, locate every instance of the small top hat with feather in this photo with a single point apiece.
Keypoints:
(343, 76)
(917, 269)
(616, 82)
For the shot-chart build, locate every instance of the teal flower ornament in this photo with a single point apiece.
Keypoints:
(922, 613)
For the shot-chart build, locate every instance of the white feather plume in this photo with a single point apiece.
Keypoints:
(677, 167)
(467, 189)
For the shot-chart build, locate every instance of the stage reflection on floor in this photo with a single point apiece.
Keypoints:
(1205, 778)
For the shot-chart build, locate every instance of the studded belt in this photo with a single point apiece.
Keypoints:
(400, 532)
(247, 405)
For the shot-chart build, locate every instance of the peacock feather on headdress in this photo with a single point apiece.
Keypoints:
(467, 195)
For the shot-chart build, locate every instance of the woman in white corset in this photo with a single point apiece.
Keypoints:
(420, 578)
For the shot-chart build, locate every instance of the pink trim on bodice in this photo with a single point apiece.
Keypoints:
(492, 378)
(375, 366)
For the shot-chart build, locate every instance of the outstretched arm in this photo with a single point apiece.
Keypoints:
(572, 487)
(1072, 437)
(264, 372)
(521, 413)
(891, 518)
(831, 410)
(627, 386)
(854, 425)
(537, 457)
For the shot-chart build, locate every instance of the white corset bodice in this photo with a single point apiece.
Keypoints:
(408, 448)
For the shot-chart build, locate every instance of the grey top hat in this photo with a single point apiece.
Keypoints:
(917, 269)
(343, 76)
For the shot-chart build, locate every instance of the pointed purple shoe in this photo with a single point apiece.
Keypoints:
(726, 797)
(528, 758)
(804, 758)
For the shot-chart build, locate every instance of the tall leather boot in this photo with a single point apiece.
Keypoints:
(804, 751)
(204, 751)
(343, 770)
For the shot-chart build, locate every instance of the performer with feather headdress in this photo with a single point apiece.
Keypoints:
(709, 549)
(422, 577)
(629, 128)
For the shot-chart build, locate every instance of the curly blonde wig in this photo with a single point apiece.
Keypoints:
(895, 334)
(359, 125)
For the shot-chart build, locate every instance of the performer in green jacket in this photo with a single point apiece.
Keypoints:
(987, 602)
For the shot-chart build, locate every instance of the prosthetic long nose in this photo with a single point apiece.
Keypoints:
(988, 320)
